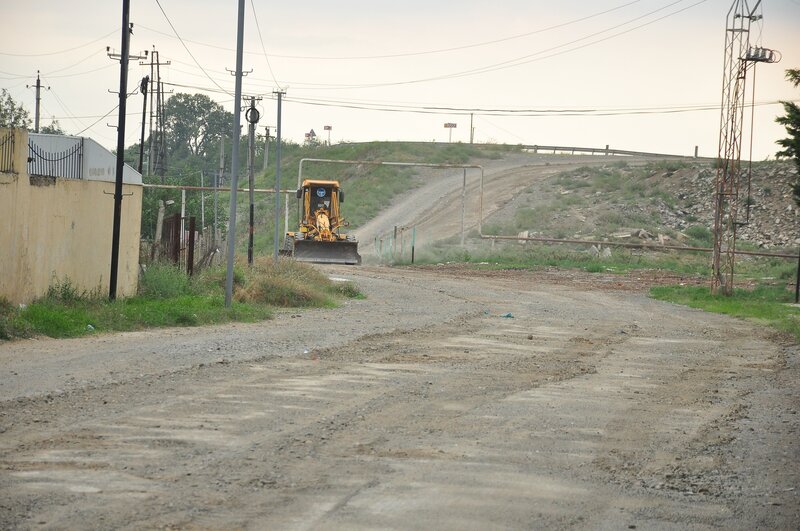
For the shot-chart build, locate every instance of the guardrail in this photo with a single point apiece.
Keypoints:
(575, 149)
(607, 151)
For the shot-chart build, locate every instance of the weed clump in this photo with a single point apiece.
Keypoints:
(164, 281)
(290, 284)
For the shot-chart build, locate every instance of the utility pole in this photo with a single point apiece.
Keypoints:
(156, 91)
(280, 95)
(38, 87)
(237, 112)
(123, 98)
(266, 151)
(216, 185)
(202, 202)
(471, 129)
(252, 116)
(124, 58)
(143, 89)
(739, 57)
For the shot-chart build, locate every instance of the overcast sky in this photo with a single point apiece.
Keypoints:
(632, 59)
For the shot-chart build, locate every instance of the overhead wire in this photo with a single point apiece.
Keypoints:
(65, 108)
(187, 49)
(415, 53)
(128, 95)
(263, 48)
(72, 65)
(60, 51)
(511, 63)
(529, 58)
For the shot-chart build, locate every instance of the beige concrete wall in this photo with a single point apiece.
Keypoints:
(57, 229)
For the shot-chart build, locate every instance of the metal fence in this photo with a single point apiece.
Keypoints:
(7, 152)
(67, 163)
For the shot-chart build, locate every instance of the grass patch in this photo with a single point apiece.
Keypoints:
(515, 256)
(169, 298)
(766, 304)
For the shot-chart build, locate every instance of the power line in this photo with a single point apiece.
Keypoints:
(415, 53)
(72, 65)
(529, 58)
(128, 95)
(59, 51)
(263, 48)
(510, 63)
(187, 48)
(432, 109)
(522, 112)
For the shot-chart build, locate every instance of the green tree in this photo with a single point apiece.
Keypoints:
(791, 121)
(193, 124)
(11, 113)
(53, 129)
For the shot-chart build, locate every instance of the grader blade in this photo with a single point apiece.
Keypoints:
(321, 252)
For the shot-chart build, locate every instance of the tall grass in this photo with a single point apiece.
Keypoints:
(768, 304)
(168, 297)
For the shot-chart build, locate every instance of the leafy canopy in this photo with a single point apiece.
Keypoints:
(12, 114)
(791, 121)
(194, 122)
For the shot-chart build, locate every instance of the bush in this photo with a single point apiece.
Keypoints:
(164, 281)
(290, 284)
(64, 291)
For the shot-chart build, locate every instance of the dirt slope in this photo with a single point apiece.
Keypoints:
(585, 197)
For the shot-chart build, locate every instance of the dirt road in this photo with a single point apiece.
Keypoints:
(445, 400)
(434, 208)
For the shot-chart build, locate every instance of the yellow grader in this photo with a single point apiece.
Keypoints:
(319, 238)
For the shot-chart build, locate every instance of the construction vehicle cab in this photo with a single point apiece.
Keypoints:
(319, 237)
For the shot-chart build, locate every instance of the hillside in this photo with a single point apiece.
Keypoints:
(622, 199)
(547, 195)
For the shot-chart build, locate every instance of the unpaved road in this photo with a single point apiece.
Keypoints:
(434, 208)
(421, 407)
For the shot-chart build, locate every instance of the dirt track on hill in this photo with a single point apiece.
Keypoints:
(447, 399)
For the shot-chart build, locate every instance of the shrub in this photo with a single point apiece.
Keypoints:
(164, 281)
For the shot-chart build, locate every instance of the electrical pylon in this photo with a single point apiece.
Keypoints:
(740, 56)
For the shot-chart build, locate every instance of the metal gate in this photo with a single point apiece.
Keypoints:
(67, 163)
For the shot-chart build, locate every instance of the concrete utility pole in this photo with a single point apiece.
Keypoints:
(266, 151)
(278, 180)
(216, 186)
(471, 129)
(123, 98)
(252, 116)
(237, 121)
(38, 87)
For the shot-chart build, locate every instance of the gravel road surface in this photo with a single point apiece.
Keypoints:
(448, 399)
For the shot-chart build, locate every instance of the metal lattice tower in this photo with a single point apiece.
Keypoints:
(739, 57)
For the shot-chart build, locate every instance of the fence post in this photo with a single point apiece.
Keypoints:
(190, 252)
(413, 241)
